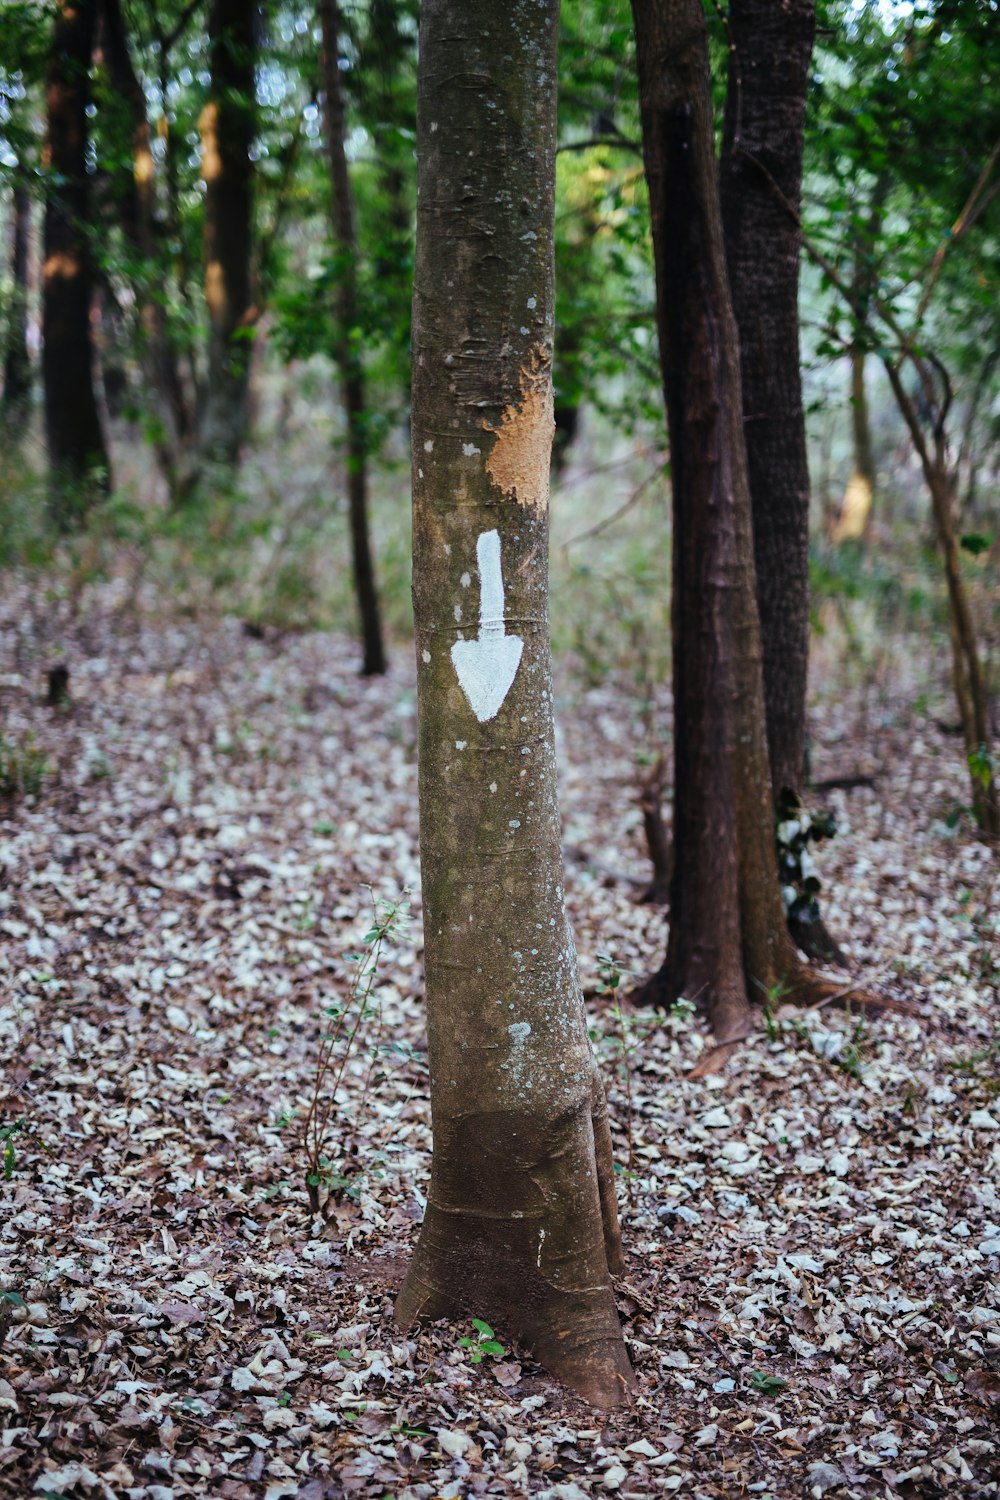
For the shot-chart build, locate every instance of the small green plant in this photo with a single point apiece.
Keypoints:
(767, 1385)
(981, 765)
(682, 1010)
(23, 767)
(982, 1066)
(610, 974)
(484, 1343)
(8, 1151)
(326, 1178)
(854, 1055)
(773, 995)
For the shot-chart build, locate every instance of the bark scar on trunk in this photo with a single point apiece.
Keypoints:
(519, 461)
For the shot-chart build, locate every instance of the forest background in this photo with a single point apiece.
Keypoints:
(216, 476)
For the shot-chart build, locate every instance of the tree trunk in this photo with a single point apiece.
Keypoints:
(227, 131)
(728, 942)
(137, 194)
(78, 455)
(967, 674)
(348, 347)
(771, 46)
(521, 1224)
(859, 496)
(17, 361)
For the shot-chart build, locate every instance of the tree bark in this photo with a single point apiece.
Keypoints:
(771, 46)
(17, 360)
(78, 455)
(348, 348)
(227, 130)
(971, 692)
(859, 496)
(729, 943)
(521, 1224)
(137, 193)
(770, 52)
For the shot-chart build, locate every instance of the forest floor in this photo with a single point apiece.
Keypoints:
(811, 1301)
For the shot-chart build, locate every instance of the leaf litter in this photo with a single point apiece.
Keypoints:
(813, 1236)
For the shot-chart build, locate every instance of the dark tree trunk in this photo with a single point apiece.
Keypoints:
(771, 46)
(729, 944)
(136, 198)
(227, 130)
(17, 361)
(521, 1224)
(78, 455)
(348, 351)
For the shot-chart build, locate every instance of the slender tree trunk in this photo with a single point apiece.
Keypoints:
(771, 46)
(227, 131)
(348, 351)
(165, 389)
(521, 1225)
(967, 673)
(729, 943)
(78, 455)
(17, 361)
(859, 496)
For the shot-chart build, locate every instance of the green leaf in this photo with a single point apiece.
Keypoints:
(482, 1328)
(975, 543)
(767, 1385)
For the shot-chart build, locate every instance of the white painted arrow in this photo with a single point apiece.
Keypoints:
(486, 667)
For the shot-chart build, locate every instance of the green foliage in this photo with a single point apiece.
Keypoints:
(357, 1019)
(23, 767)
(975, 543)
(982, 765)
(767, 1385)
(8, 1156)
(484, 1343)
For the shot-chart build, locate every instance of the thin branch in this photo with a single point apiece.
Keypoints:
(616, 142)
(173, 37)
(616, 515)
(850, 296)
(964, 222)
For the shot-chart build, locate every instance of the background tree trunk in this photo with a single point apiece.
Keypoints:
(78, 455)
(348, 343)
(17, 360)
(728, 942)
(227, 130)
(771, 46)
(136, 196)
(521, 1223)
(859, 497)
